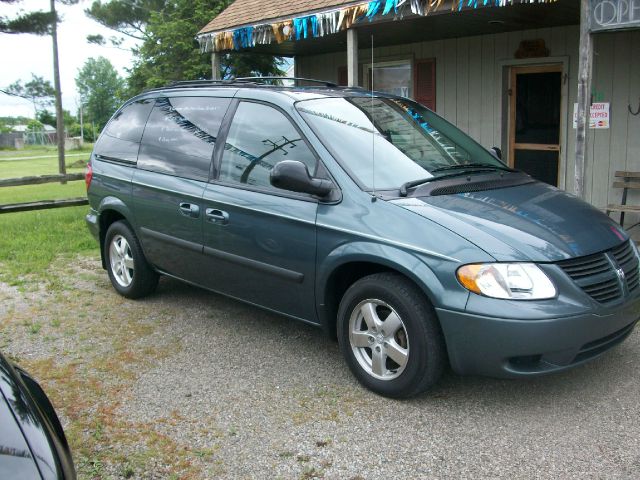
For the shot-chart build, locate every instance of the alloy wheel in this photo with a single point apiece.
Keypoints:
(378, 339)
(121, 260)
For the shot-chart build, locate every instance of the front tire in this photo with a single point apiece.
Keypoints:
(129, 272)
(390, 337)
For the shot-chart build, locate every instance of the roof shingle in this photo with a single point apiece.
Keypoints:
(247, 12)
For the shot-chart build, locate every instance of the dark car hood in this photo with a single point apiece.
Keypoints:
(30, 445)
(532, 222)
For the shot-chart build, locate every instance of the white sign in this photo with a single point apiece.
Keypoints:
(599, 115)
(614, 14)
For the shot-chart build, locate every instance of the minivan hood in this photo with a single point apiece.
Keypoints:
(533, 222)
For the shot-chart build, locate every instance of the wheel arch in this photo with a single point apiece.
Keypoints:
(355, 262)
(111, 210)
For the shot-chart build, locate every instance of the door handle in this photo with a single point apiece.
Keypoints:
(189, 210)
(216, 216)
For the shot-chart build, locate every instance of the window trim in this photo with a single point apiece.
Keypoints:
(222, 141)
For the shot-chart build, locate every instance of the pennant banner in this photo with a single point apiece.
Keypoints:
(333, 21)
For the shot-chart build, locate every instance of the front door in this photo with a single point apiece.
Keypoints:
(534, 121)
(260, 241)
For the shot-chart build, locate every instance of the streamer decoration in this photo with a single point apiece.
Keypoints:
(333, 21)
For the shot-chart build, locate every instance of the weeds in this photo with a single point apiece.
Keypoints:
(34, 328)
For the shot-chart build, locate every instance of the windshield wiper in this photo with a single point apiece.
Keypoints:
(414, 183)
(472, 166)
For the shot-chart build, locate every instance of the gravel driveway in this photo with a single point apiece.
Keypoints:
(189, 384)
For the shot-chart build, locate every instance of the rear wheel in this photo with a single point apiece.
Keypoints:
(129, 272)
(390, 337)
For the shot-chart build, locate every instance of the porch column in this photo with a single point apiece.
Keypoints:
(585, 62)
(215, 66)
(352, 57)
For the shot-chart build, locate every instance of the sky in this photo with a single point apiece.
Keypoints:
(25, 54)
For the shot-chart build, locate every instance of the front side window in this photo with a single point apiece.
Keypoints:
(120, 139)
(259, 137)
(180, 136)
(385, 142)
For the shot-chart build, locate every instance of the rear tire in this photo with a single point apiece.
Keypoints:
(390, 336)
(129, 272)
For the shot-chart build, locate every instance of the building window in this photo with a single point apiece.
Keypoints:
(395, 77)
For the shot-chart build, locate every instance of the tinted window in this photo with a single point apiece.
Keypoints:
(121, 137)
(180, 136)
(129, 122)
(260, 136)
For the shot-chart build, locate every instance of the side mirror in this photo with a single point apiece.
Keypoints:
(293, 175)
(496, 152)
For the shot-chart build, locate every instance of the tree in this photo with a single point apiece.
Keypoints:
(169, 51)
(38, 23)
(127, 18)
(38, 91)
(47, 118)
(34, 126)
(100, 88)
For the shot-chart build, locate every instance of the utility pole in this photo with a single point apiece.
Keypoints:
(81, 124)
(62, 169)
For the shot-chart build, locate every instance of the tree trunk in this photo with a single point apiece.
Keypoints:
(62, 169)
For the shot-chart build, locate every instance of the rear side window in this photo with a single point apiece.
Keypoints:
(121, 137)
(181, 134)
(261, 136)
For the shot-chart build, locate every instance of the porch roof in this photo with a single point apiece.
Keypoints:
(247, 12)
(295, 28)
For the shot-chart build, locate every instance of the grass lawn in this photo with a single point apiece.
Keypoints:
(45, 191)
(40, 150)
(22, 167)
(30, 241)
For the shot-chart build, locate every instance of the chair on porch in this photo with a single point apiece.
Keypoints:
(626, 181)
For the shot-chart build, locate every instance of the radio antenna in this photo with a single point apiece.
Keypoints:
(373, 129)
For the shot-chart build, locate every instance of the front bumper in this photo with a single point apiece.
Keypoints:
(508, 347)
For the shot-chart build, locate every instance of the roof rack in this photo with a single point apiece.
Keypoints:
(208, 83)
(242, 82)
(295, 79)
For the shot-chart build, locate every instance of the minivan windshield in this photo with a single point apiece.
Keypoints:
(386, 143)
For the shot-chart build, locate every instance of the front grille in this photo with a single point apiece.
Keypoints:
(597, 276)
(626, 259)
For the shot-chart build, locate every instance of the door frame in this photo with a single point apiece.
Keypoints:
(505, 68)
(513, 72)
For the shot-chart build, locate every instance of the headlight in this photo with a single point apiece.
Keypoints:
(516, 281)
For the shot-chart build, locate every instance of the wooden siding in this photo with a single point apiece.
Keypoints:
(470, 93)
